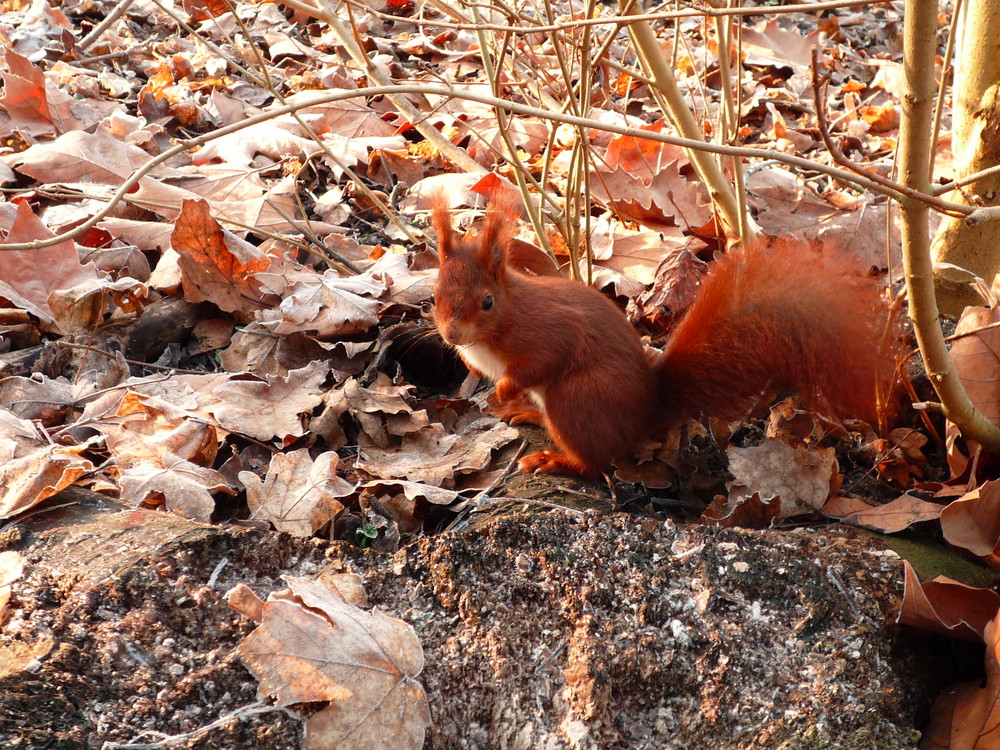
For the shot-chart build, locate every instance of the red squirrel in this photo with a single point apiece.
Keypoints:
(766, 318)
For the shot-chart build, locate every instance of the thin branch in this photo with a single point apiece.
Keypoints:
(619, 21)
(864, 182)
(904, 193)
(165, 740)
(109, 20)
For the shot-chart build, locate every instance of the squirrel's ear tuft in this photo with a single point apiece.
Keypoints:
(498, 229)
(441, 220)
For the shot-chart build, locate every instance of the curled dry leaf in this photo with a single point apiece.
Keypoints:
(894, 516)
(11, 568)
(186, 487)
(85, 304)
(262, 407)
(434, 456)
(241, 598)
(329, 305)
(312, 646)
(148, 427)
(412, 490)
(801, 477)
(215, 265)
(29, 277)
(32, 470)
(742, 511)
(160, 450)
(975, 353)
(967, 716)
(35, 106)
(299, 494)
(370, 406)
(947, 606)
(973, 522)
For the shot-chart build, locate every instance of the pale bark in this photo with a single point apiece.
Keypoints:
(976, 146)
(919, 42)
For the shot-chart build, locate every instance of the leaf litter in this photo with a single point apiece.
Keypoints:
(290, 274)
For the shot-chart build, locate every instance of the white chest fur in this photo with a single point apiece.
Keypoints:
(484, 359)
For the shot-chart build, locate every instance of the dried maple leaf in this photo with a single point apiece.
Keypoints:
(299, 494)
(260, 407)
(369, 406)
(665, 197)
(742, 511)
(268, 138)
(215, 265)
(801, 477)
(186, 487)
(770, 46)
(432, 455)
(34, 108)
(244, 198)
(329, 306)
(635, 254)
(263, 408)
(160, 451)
(149, 427)
(97, 157)
(312, 646)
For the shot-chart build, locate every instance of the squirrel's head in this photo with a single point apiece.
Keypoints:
(470, 296)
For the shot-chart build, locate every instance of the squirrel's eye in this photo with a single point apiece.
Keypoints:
(430, 301)
(487, 302)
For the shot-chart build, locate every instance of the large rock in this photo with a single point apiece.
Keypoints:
(539, 631)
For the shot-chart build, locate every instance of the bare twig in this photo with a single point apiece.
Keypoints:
(106, 24)
(903, 192)
(165, 740)
(621, 20)
(864, 182)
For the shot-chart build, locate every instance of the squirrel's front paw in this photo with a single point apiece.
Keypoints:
(519, 412)
(506, 389)
(550, 462)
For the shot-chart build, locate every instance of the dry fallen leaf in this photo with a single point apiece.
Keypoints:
(742, 511)
(216, 265)
(432, 455)
(186, 487)
(29, 277)
(973, 522)
(946, 606)
(312, 647)
(975, 353)
(299, 494)
(801, 477)
(32, 470)
(967, 716)
(894, 516)
(11, 568)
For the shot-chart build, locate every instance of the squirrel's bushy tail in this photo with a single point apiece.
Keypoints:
(774, 318)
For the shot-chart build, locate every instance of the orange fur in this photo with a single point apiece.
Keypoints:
(766, 319)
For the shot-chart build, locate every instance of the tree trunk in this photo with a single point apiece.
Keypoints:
(976, 146)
